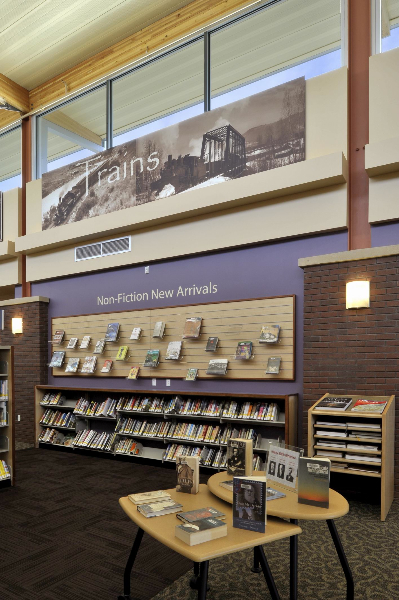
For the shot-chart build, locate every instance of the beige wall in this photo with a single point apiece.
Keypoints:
(384, 96)
(10, 272)
(12, 202)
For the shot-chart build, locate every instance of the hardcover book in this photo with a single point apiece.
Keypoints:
(273, 365)
(136, 333)
(227, 485)
(112, 332)
(99, 349)
(107, 366)
(72, 366)
(192, 328)
(200, 513)
(187, 469)
(334, 403)
(173, 351)
(239, 456)
(89, 364)
(212, 344)
(282, 466)
(58, 336)
(122, 353)
(217, 366)
(134, 373)
(152, 358)
(249, 503)
(57, 359)
(201, 531)
(243, 351)
(159, 329)
(72, 343)
(192, 374)
(369, 406)
(85, 342)
(314, 481)
(269, 334)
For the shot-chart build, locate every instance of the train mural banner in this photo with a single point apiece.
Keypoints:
(264, 131)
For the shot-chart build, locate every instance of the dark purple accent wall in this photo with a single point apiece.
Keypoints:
(261, 271)
(385, 235)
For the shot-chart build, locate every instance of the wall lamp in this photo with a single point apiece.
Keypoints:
(16, 325)
(358, 294)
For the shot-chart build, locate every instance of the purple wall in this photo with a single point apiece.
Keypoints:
(385, 235)
(268, 270)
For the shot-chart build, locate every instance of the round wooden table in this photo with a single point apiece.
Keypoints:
(289, 508)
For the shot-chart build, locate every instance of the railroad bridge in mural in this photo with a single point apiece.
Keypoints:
(223, 152)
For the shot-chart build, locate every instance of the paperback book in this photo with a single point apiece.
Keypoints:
(134, 373)
(217, 366)
(273, 365)
(201, 531)
(136, 333)
(122, 353)
(152, 358)
(369, 406)
(187, 470)
(192, 374)
(269, 334)
(107, 366)
(57, 359)
(89, 364)
(282, 466)
(58, 337)
(208, 512)
(239, 456)
(249, 503)
(72, 343)
(112, 332)
(334, 403)
(314, 481)
(100, 346)
(192, 328)
(85, 342)
(157, 509)
(173, 351)
(212, 344)
(149, 497)
(243, 351)
(73, 365)
(159, 329)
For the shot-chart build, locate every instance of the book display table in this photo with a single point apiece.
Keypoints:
(289, 508)
(163, 529)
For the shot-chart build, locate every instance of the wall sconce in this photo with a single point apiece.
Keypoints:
(16, 325)
(358, 294)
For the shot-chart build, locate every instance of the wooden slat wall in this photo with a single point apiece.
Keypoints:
(232, 322)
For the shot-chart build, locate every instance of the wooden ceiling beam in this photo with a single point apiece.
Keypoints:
(185, 21)
(13, 94)
(8, 117)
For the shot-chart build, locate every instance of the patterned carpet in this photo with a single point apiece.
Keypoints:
(63, 537)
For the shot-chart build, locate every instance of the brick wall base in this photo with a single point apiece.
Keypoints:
(351, 351)
(30, 362)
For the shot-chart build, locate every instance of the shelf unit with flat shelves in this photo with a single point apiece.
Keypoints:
(7, 418)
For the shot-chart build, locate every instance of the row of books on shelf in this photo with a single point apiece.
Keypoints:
(355, 467)
(349, 446)
(3, 389)
(208, 457)
(58, 418)
(5, 472)
(128, 447)
(3, 415)
(56, 437)
(349, 456)
(88, 408)
(53, 399)
(88, 438)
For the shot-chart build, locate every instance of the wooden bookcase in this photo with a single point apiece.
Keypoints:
(284, 429)
(7, 430)
(383, 426)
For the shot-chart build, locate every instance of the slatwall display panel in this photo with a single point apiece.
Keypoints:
(231, 322)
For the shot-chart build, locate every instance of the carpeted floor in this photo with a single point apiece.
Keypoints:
(63, 537)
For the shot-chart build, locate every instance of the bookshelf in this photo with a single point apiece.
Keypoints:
(357, 429)
(160, 424)
(7, 420)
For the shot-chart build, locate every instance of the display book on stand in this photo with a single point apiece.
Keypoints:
(7, 444)
(162, 425)
(356, 432)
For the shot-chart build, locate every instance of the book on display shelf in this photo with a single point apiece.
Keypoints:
(112, 332)
(192, 374)
(3, 367)
(100, 347)
(173, 351)
(58, 418)
(57, 359)
(89, 365)
(72, 343)
(217, 366)
(330, 453)
(5, 472)
(187, 470)
(249, 503)
(3, 389)
(158, 509)
(192, 328)
(152, 358)
(94, 440)
(314, 481)
(208, 512)
(335, 403)
(203, 530)
(212, 344)
(136, 333)
(159, 330)
(129, 447)
(134, 373)
(53, 399)
(273, 365)
(58, 337)
(107, 366)
(122, 353)
(369, 406)
(149, 497)
(363, 457)
(243, 351)
(73, 365)
(85, 343)
(239, 456)
(269, 334)
(3, 415)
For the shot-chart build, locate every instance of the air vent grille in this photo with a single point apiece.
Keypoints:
(116, 246)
